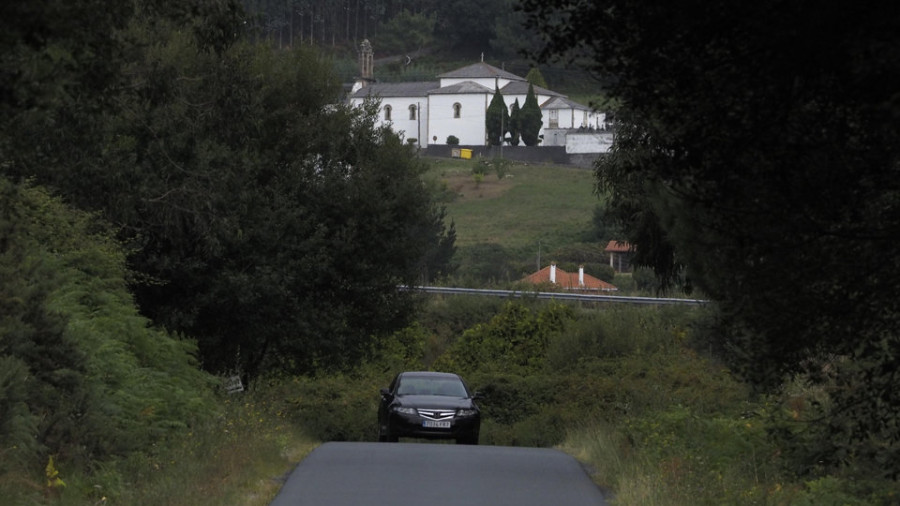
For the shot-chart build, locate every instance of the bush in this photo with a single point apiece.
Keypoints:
(481, 167)
(514, 341)
(452, 140)
(446, 318)
(337, 407)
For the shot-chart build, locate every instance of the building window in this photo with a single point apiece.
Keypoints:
(412, 111)
(457, 108)
(554, 118)
(387, 113)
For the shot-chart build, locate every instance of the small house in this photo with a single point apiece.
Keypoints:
(620, 253)
(578, 282)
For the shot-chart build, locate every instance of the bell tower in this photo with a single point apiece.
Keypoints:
(366, 63)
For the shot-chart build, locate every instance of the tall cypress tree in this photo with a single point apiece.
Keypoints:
(497, 119)
(515, 124)
(530, 118)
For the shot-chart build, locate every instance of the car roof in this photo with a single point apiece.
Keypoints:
(428, 374)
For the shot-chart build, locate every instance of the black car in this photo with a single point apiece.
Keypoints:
(431, 405)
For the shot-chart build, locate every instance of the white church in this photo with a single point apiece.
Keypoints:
(456, 105)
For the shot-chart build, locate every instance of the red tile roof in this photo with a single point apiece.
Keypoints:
(569, 281)
(615, 246)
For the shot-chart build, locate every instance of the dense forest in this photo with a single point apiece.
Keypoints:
(463, 27)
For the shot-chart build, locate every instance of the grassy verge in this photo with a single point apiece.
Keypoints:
(238, 458)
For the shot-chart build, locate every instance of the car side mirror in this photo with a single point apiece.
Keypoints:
(478, 395)
(385, 392)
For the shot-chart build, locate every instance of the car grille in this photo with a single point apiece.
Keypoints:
(437, 414)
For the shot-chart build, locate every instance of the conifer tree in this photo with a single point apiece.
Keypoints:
(497, 119)
(530, 119)
(515, 124)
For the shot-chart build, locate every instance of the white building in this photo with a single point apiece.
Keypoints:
(456, 104)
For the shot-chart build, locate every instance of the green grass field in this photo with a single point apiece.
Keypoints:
(531, 204)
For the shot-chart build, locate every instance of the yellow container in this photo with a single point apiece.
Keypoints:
(465, 153)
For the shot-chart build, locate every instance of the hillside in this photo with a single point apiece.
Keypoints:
(506, 226)
(549, 204)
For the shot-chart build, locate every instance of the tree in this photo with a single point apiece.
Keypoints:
(756, 153)
(469, 25)
(535, 77)
(284, 243)
(497, 119)
(515, 124)
(508, 42)
(530, 118)
(405, 33)
(266, 221)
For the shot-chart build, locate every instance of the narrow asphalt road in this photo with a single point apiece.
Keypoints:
(392, 474)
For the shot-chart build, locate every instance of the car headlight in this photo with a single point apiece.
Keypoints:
(405, 411)
(466, 412)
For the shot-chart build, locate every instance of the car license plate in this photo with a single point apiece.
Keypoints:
(431, 424)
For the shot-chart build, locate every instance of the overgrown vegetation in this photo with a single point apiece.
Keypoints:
(622, 388)
(85, 379)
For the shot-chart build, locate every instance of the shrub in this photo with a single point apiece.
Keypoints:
(84, 375)
(453, 140)
(481, 167)
(514, 341)
(337, 407)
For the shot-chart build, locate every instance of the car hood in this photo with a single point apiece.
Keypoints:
(433, 401)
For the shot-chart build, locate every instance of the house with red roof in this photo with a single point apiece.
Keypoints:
(578, 282)
(620, 253)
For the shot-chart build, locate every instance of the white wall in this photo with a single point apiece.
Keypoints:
(400, 122)
(588, 142)
(554, 137)
(469, 127)
(597, 120)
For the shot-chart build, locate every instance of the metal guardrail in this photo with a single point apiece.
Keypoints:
(582, 297)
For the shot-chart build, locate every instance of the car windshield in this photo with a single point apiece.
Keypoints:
(449, 387)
